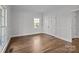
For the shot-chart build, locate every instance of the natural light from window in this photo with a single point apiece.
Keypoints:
(36, 22)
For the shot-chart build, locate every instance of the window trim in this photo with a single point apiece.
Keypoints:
(36, 22)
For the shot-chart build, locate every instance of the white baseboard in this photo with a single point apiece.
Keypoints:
(75, 37)
(25, 34)
(63, 38)
(60, 37)
(5, 47)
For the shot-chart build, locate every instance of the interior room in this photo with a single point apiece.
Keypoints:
(39, 28)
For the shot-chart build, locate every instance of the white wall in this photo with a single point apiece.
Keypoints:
(77, 24)
(63, 22)
(75, 30)
(63, 26)
(74, 35)
(22, 23)
(9, 21)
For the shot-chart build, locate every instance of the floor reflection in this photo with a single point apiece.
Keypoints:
(37, 44)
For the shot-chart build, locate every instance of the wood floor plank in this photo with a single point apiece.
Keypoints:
(37, 43)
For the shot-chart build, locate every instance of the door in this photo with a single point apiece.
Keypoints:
(49, 25)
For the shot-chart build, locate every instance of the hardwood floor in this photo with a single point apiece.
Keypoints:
(39, 43)
(75, 41)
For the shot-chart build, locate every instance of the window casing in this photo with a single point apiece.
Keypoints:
(36, 22)
(3, 26)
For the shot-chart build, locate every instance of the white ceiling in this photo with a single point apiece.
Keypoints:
(42, 8)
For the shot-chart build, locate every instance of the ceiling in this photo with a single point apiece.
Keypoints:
(43, 8)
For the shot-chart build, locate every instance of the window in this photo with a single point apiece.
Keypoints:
(3, 25)
(36, 22)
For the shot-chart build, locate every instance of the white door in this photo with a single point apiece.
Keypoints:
(45, 24)
(49, 25)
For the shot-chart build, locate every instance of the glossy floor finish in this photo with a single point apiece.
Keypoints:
(39, 43)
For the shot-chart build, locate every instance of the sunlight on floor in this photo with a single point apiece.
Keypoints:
(36, 44)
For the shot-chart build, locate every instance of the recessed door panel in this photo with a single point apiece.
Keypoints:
(49, 25)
